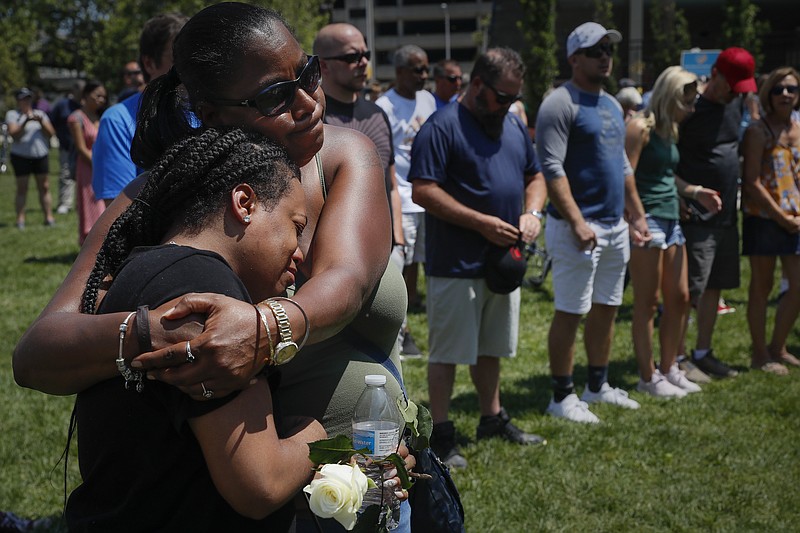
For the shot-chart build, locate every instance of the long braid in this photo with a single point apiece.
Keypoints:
(185, 187)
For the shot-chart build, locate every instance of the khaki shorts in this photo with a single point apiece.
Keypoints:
(466, 319)
(582, 277)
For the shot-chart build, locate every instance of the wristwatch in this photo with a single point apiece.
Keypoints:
(535, 212)
(286, 348)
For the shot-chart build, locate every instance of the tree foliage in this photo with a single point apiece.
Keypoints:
(670, 32)
(742, 27)
(538, 26)
(97, 37)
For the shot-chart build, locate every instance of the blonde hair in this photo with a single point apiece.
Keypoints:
(667, 99)
(774, 77)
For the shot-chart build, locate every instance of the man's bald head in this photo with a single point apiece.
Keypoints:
(333, 37)
(344, 60)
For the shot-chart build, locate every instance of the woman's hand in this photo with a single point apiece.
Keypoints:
(228, 346)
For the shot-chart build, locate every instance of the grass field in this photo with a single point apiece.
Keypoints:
(727, 459)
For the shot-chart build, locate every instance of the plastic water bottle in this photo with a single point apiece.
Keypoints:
(376, 426)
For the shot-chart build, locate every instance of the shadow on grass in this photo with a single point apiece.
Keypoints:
(62, 259)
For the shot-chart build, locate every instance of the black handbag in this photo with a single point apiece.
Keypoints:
(435, 503)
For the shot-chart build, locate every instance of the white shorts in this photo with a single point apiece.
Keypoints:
(414, 234)
(583, 277)
(466, 319)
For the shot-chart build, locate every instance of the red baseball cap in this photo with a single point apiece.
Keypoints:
(738, 67)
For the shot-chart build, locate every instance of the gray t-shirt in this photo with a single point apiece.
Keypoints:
(33, 144)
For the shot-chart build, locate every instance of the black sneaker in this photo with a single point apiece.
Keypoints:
(443, 443)
(500, 426)
(409, 348)
(713, 366)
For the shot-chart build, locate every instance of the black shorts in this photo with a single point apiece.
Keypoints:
(763, 236)
(25, 166)
(713, 255)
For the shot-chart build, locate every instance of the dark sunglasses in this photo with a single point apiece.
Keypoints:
(504, 98)
(452, 79)
(596, 51)
(778, 89)
(352, 57)
(419, 70)
(279, 97)
(132, 72)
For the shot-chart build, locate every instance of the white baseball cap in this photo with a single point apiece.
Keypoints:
(589, 34)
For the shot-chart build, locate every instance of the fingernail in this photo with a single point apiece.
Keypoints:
(136, 364)
(400, 493)
(253, 381)
(391, 473)
(150, 377)
(390, 483)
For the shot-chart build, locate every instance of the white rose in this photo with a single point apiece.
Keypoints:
(338, 493)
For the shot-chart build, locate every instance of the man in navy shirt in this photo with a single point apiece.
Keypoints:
(474, 171)
(580, 136)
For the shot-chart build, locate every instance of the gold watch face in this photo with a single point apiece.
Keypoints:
(285, 352)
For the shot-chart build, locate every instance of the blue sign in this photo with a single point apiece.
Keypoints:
(699, 62)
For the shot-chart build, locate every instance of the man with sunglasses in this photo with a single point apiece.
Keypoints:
(474, 170)
(709, 159)
(408, 105)
(580, 135)
(112, 167)
(344, 59)
(447, 79)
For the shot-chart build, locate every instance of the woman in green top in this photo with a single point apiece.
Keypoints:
(661, 266)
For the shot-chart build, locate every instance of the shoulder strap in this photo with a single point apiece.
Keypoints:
(318, 159)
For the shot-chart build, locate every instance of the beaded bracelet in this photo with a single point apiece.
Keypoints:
(269, 335)
(305, 318)
(130, 376)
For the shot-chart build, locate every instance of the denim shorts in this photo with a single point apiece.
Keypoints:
(665, 232)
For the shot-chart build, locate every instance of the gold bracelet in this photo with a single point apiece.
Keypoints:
(269, 335)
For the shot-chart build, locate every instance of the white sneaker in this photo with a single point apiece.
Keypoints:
(677, 377)
(62, 209)
(660, 387)
(609, 394)
(573, 409)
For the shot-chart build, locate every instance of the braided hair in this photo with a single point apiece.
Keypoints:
(185, 187)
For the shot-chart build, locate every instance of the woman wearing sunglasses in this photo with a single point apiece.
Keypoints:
(661, 268)
(771, 224)
(240, 65)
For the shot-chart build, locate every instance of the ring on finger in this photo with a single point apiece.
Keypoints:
(207, 393)
(190, 358)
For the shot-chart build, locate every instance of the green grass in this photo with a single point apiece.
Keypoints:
(727, 459)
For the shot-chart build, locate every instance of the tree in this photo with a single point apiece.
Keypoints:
(538, 26)
(670, 32)
(604, 15)
(741, 27)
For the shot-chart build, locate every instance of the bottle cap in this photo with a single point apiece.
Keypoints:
(375, 379)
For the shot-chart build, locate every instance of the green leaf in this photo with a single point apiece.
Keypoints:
(337, 449)
(409, 411)
(424, 427)
(402, 473)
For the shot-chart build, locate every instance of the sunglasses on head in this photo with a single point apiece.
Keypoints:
(279, 97)
(504, 98)
(778, 89)
(352, 57)
(596, 51)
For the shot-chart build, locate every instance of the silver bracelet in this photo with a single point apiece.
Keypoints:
(130, 376)
(305, 318)
(269, 334)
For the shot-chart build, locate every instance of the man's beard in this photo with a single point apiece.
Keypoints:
(491, 122)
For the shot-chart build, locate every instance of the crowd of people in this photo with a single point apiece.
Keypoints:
(214, 197)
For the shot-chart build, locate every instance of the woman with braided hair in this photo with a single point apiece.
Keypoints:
(223, 456)
(240, 65)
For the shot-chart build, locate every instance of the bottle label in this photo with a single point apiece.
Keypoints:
(380, 442)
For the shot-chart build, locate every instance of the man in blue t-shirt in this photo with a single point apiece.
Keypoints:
(474, 171)
(112, 168)
(581, 143)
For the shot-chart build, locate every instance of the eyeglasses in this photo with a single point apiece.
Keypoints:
(352, 57)
(778, 89)
(132, 72)
(504, 98)
(279, 97)
(419, 70)
(453, 79)
(596, 51)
